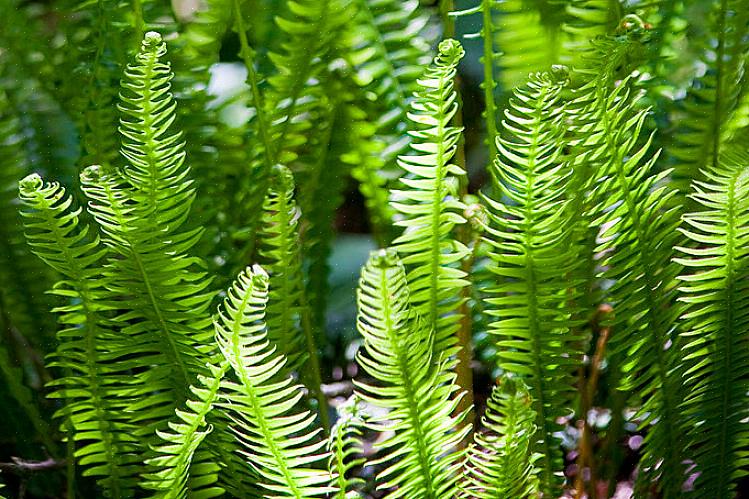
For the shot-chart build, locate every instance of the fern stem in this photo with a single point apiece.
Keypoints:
(718, 117)
(140, 25)
(489, 85)
(313, 373)
(248, 58)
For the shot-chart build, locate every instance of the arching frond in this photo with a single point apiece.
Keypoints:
(387, 45)
(501, 461)
(93, 389)
(534, 259)
(428, 202)
(715, 289)
(280, 442)
(412, 383)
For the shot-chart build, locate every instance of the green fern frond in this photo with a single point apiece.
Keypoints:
(535, 258)
(423, 426)
(703, 124)
(290, 327)
(716, 295)
(428, 202)
(501, 461)
(585, 21)
(345, 448)
(387, 46)
(280, 443)
(182, 471)
(637, 239)
(280, 255)
(93, 391)
(159, 288)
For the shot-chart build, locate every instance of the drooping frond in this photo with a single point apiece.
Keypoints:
(715, 289)
(159, 289)
(501, 461)
(638, 233)
(181, 471)
(345, 446)
(534, 259)
(428, 201)
(280, 442)
(93, 389)
(422, 428)
(704, 123)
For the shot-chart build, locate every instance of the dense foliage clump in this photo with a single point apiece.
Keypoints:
(555, 211)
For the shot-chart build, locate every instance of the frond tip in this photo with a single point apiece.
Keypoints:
(411, 383)
(280, 442)
(501, 460)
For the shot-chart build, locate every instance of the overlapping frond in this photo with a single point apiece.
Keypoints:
(500, 462)
(280, 442)
(534, 259)
(638, 233)
(180, 470)
(160, 291)
(428, 201)
(715, 290)
(95, 395)
(387, 46)
(422, 427)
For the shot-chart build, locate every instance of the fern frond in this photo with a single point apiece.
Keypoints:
(279, 442)
(412, 383)
(716, 295)
(534, 258)
(290, 327)
(159, 288)
(181, 471)
(387, 46)
(428, 201)
(345, 446)
(703, 125)
(501, 461)
(637, 239)
(92, 387)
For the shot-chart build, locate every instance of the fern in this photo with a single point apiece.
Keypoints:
(345, 447)
(500, 462)
(163, 299)
(288, 316)
(714, 291)
(387, 46)
(428, 202)
(177, 461)
(534, 259)
(413, 384)
(639, 232)
(280, 443)
(94, 396)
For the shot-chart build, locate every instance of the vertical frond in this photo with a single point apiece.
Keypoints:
(279, 442)
(428, 201)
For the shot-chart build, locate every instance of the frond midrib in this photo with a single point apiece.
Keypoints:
(533, 319)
